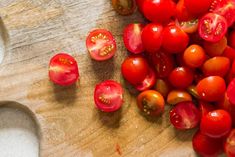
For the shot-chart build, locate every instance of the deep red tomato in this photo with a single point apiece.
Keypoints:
(152, 37)
(185, 115)
(163, 63)
(159, 10)
(205, 108)
(175, 40)
(224, 104)
(101, 44)
(108, 96)
(177, 96)
(231, 39)
(207, 146)
(212, 27)
(148, 82)
(132, 37)
(189, 26)
(211, 88)
(229, 146)
(126, 7)
(198, 7)
(231, 92)
(63, 69)
(194, 56)
(216, 123)
(229, 52)
(216, 66)
(151, 102)
(140, 4)
(135, 69)
(181, 77)
(182, 14)
(215, 49)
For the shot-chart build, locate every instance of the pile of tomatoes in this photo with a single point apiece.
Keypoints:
(183, 57)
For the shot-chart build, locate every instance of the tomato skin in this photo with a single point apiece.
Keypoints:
(181, 77)
(108, 96)
(189, 26)
(63, 69)
(132, 38)
(177, 96)
(159, 11)
(231, 39)
(194, 56)
(229, 144)
(152, 37)
(182, 14)
(126, 8)
(229, 52)
(212, 27)
(151, 102)
(175, 40)
(216, 124)
(163, 87)
(135, 69)
(140, 4)
(211, 88)
(206, 146)
(205, 108)
(231, 91)
(216, 66)
(198, 7)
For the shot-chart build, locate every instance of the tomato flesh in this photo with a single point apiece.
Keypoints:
(148, 82)
(63, 69)
(108, 96)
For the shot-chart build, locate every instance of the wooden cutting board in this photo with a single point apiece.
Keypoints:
(69, 125)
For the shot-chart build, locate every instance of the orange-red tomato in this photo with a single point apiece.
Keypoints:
(163, 87)
(177, 96)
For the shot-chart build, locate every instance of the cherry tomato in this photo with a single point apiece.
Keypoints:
(108, 96)
(182, 14)
(212, 27)
(159, 11)
(229, 146)
(216, 66)
(163, 63)
(151, 102)
(175, 40)
(216, 123)
(224, 104)
(125, 7)
(140, 4)
(229, 52)
(194, 56)
(63, 69)
(193, 91)
(189, 26)
(206, 146)
(148, 82)
(101, 44)
(231, 39)
(163, 87)
(132, 38)
(215, 49)
(231, 92)
(152, 37)
(177, 96)
(205, 108)
(181, 77)
(185, 115)
(211, 88)
(135, 69)
(198, 7)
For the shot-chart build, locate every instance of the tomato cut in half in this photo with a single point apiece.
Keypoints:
(231, 92)
(63, 69)
(101, 44)
(189, 26)
(212, 27)
(148, 82)
(124, 7)
(108, 96)
(132, 38)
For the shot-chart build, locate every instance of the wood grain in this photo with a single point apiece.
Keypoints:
(69, 124)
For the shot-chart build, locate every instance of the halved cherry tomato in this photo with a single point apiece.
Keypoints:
(229, 146)
(198, 7)
(215, 49)
(163, 63)
(124, 7)
(190, 26)
(152, 37)
(151, 102)
(181, 77)
(185, 115)
(231, 39)
(177, 96)
(101, 44)
(132, 37)
(194, 56)
(211, 88)
(216, 124)
(216, 66)
(205, 108)
(108, 96)
(206, 146)
(159, 11)
(175, 40)
(163, 87)
(212, 27)
(148, 82)
(182, 14)
(135, 69)
(231, 92)
(63, 69)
